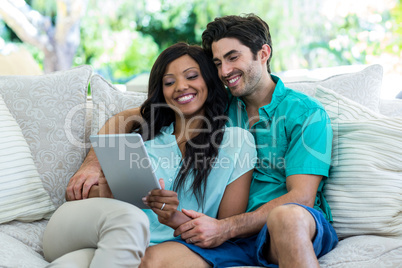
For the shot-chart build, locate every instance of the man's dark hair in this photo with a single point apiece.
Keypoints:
(249, 29)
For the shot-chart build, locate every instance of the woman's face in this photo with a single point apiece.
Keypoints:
(184, 88)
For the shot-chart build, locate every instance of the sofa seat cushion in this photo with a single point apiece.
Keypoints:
(365, 251)
(14, 253)
(28, 233)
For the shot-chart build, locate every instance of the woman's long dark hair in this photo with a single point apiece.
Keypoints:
(200, 151)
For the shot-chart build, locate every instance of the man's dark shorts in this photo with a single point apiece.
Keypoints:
(249, 251)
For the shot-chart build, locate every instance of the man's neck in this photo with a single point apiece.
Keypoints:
(259, 98)
(262, 95)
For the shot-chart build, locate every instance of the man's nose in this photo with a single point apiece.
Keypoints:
(226, 69)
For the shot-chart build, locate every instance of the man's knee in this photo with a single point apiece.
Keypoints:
(290, 216)
(151, 259)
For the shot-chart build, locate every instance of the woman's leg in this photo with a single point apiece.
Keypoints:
(76, 259)
(117, 232)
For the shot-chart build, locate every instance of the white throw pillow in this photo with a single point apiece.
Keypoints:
(365, 180)
(108, 101)
(22, 196)
(364, 87)
(51, 110)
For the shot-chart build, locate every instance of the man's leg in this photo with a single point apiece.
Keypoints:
(171, 254)
(117, 232)
(291, 229)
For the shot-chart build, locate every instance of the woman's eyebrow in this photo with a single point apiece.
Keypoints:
(183, 71)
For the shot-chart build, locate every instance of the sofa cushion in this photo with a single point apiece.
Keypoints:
(364, 86)
(29, 233)
(50, 110)
(364, 251)
(391, 108)
(365, 181)
(22, 196)
(14, 253)
(108, 101)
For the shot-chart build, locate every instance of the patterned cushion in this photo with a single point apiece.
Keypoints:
(391, 108)
(364, 87)
(50, 110)
(22, 196)
(108, 101)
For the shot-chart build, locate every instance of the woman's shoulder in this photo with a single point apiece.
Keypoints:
(237, 131)
(236, 137)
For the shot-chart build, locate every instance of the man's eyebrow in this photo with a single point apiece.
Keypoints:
(226, 55)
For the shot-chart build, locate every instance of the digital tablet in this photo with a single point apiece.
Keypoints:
(126, 166)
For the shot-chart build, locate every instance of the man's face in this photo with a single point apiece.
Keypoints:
(238, 68)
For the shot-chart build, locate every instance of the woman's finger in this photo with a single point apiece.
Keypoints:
(162, 183)
(161, 206)
(160, 192)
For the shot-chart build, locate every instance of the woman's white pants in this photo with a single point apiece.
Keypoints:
(96, 232)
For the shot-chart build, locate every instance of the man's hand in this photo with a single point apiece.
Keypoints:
(203, 231)
(88, 175)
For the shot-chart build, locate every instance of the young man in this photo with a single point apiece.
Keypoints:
(287, 222)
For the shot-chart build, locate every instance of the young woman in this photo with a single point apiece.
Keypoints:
(203, 166)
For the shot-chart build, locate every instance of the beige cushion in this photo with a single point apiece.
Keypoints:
(365, 181)
(50, 110)
(22, 196)
(364, 87)
(108, 101)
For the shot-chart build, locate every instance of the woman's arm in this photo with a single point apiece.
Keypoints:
(235, 198)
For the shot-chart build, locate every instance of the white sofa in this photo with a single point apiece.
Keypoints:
(45, 122)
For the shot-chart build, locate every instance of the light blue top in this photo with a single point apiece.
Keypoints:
(293, 136)
(237, 155)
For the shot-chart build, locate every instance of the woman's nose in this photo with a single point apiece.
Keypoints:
(181, 85)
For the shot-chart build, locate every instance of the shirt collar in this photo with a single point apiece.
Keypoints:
(277, 97)
(168, 130)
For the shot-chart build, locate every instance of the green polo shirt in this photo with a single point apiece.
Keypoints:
(293, 136)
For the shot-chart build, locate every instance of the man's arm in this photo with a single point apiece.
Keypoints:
(211, 232)
(90, 171)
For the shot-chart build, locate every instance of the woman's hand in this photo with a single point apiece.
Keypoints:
(164, 203)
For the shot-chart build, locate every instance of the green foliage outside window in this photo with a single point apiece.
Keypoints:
(122, 38)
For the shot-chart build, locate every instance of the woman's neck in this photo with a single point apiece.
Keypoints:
(186, 129)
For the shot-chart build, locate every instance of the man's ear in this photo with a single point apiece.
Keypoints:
(265, 53)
